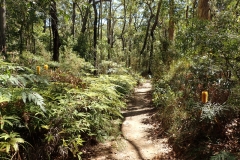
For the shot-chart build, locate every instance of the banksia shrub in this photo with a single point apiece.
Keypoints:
(45, 67)
(38, 69)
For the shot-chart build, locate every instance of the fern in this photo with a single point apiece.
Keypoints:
(223, 155)
(9, 141)
(17, 80)
(35, 98)
(4, 95)
(7, 120)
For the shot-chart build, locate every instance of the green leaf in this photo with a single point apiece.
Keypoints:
(4, 136)
(35, 98)
(12, 139)
(7, 119)
(7, 147)
(24, 97)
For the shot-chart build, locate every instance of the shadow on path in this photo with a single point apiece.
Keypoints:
(134, 143)
(137, 149)
(139, 106)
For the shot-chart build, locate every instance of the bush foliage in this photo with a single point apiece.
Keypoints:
(197, 130)
(55, 113)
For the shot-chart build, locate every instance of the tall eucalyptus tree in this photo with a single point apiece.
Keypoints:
(171, 20)
(156, 22)
(151, 16)
(3, 27)
(95, 36)
(74, 4)
(55, 34)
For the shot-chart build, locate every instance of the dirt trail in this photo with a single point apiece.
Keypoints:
(136, 142)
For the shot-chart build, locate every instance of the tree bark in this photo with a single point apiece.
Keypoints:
(85, 18)
(109, 28)
(54, 25)
(171, 20)
(3, 28)
(153, 37)
(73, 19)
(101, 29)
(129, 41)
(21, 45)
(147, 31)
(203, 10)
(124, 25)
(95, 37)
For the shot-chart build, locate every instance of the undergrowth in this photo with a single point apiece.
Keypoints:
(53, 113)
(198, 130)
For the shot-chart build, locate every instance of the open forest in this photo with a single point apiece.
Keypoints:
(68, 68)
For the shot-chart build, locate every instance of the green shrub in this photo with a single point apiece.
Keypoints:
(19, 103)
(191, 125)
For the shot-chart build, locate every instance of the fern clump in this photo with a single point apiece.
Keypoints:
(223, 155)
(18, 98)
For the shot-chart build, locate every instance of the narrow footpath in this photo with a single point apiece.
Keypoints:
(136, 142)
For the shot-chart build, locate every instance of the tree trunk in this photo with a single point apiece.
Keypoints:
(203, 10)
(54, 25)
(44, 25)
(146, 35)
(153, 37)
(124, 25)
(101, 29)
(50, 35)
(3, 28)
(129, 42)
(109, 28)
(95, 37)
(21, 39)
(85, 18)
(147, 30)
(73, 19)
(171, 20)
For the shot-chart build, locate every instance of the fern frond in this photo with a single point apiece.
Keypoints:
(223, 155)
(7, 120)
(11, 139)
(35, 98)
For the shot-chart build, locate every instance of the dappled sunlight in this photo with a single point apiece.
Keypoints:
(136, 143)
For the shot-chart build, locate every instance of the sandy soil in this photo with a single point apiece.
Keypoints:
(136, 142)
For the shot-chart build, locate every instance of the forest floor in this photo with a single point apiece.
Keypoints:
(139, 139)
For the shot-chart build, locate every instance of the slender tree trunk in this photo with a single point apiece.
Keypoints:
(124, 25)
(85, 18)
(101, 30)
(153, 37)
(186, 15)
(146, 35)
(44, 25)
(147, 30)
(50, 35)
(3, 28)
(54, 25)
(95, 36)
(33, 40)
(73, 19)
(129, 42)
(109, 28)
(171, 20)
(21, 39)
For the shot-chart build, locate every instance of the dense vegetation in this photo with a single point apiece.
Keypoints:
(52, 113)
(66, 67)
